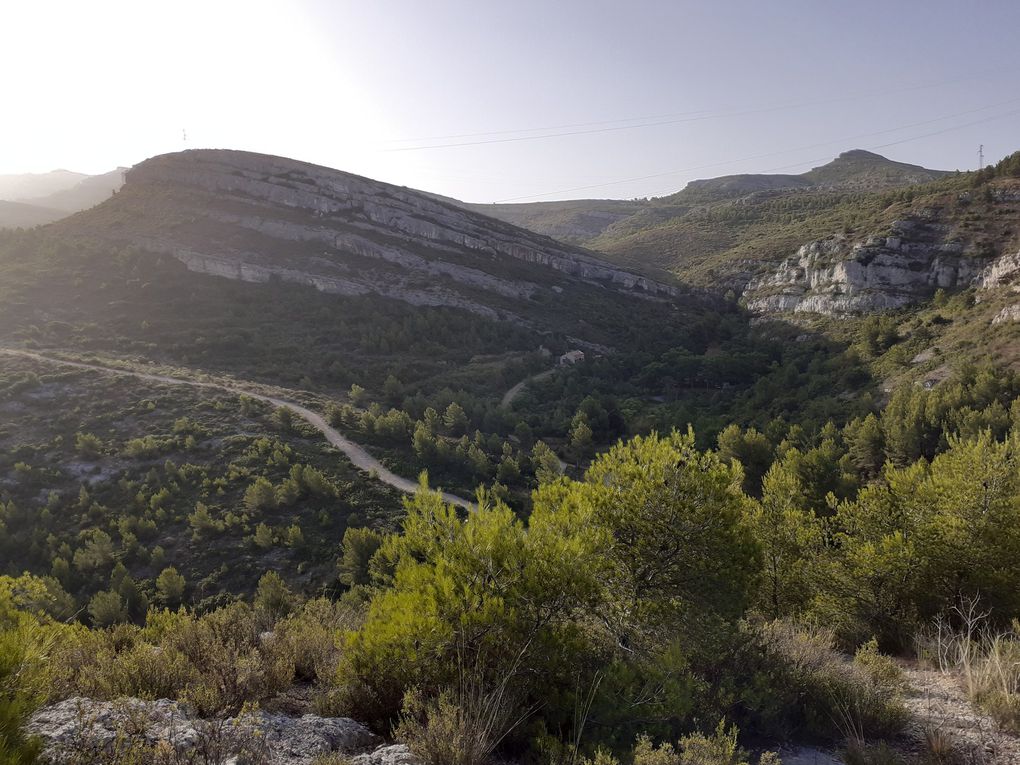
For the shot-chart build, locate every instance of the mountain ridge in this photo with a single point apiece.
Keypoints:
(34, 200)
(582, 221)
(257, 218)
(22, 187)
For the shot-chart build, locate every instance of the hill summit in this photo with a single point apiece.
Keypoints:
(855, 169)
(584, 221)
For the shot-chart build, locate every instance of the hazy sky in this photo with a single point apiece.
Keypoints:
(777, 85)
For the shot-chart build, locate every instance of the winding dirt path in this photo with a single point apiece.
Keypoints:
(514, 392)
(356, 453)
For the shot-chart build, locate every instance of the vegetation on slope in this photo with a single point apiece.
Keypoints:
(654, 594)
(645, 606)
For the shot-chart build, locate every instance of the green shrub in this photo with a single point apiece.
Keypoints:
(312, 634)
(170, 587)
(883, 670)
(26, 638)
(719, 748)
(106, 609)
(829, 695)
(464, 724)
(273, 599)
(218, 661)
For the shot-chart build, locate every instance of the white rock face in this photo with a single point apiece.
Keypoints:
(838, 277)
(1009, 313)
(84, 725)
(396, 754)
(1002, 271)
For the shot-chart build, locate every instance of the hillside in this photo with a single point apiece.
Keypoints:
(400, 318)
(585, 221)
(24, 215)
(85, 193)
(34, 200)
(860, 235)
(257, 218)
(866, 170)
(252, 359)
(574, 221)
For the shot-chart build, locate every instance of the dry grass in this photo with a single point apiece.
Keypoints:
(988, 663)
(855, 699)
(465, 724)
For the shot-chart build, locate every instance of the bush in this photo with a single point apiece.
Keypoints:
(16, 697)
(88, 445)
(170, 587)
(459, 727)
(827, 695)
(27, 635)
(479, 590)
(273, 599)
(106, 609)
(311, 637)
(217, 662)
(719, 748)
(359, 545)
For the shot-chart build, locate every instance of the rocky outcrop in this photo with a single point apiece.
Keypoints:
(395, 754)
(1007, 314)
(836, 276)
(1002, 272)
(79, 728)
(246, 268)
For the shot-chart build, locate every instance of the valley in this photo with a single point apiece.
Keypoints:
(698, 440)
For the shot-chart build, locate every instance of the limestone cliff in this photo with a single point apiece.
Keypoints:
(840, 276)
(947, 246)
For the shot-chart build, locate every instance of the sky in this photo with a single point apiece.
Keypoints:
(515, 100)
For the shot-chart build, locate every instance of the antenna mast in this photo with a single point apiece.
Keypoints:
(981, 157)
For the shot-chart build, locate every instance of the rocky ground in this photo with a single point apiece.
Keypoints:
(945, 728)
(941, 714)
(85, 731)
(81, 730)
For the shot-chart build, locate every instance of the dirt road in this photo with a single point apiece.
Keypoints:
(356, 453)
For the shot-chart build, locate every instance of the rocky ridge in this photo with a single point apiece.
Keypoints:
(257, 218)
(584, 220)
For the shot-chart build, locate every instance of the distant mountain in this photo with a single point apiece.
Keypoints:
(16, 188)
(574, 221)
(730, 185)
(33, 200)
(23, 215)
(866, 170)
(87, 192)
(582, 221)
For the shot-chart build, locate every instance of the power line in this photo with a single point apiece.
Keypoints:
(913, 138)
(547, 127)
(663, 119)
(789, 151)
(517, 139)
